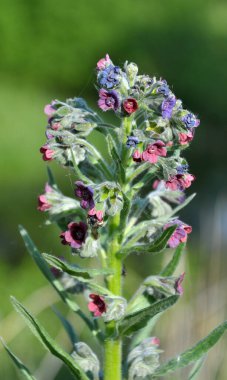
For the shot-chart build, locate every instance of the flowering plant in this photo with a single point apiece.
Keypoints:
(124, 203)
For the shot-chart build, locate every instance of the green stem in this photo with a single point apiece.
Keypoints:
(113, 346)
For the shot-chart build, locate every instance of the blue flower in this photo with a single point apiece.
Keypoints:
(132, 142)
(181, 169)
(190, 120)
(167, 107)
(164, 89)
(109, 77)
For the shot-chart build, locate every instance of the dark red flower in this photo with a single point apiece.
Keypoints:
(130, 105)
(75, 235)
(137, 156)
(97, 306)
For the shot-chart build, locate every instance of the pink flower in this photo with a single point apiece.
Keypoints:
(47, 153)
(180, 181)
(137, 156)
(153, 151)
(49, 110)
(55, 126)
(75, 235)
(180, 235)
(103, 62)
(130, 105)
(155, 341)
(185, 138)
(178, 287)
(43, 204)
(97, 306)
(95, 217)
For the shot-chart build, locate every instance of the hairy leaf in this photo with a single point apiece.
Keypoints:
(49, 343)
(67, 326)
(135, 321)
(39, 260)
(172, 265)
(193, 354)
(74, 271)
(196, 368)
(155, 247)
(23, 370)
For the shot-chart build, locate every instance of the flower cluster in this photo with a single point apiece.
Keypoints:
(123, 202)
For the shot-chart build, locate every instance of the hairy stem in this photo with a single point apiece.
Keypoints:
(113, 349)
(113, 346)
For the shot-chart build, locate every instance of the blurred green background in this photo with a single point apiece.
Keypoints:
(48, 50)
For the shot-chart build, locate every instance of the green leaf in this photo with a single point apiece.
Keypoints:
(67, 326)
(158, 246)
(39, 260)
(49, 343)
(172, 265)
(135, 321)
(124, 215)
(23, 370)
(182, 205)
(193, 354)
(80, 273)
(115, 157)
(51, 180)
(196, 368)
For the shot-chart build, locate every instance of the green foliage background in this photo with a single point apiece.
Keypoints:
(48, 50)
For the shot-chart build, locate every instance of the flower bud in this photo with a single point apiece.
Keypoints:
(86, 359)
(131, 70)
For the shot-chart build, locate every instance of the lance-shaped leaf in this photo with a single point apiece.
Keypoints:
(67, 326)
(49, 343)
(172, 265)
(135, 321)
(43, 266)
(124, 215)
(192, 354)
(22, 368)
(115, 157)
(80, 273)
(155, 247)
(196, 368)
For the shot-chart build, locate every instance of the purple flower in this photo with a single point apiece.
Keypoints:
(178, 287)
(108, 100)
(167, 107)
(190, 120)
(85, 193)
(75, 235)
(180, 235)
(132, 142)
(109, 77)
